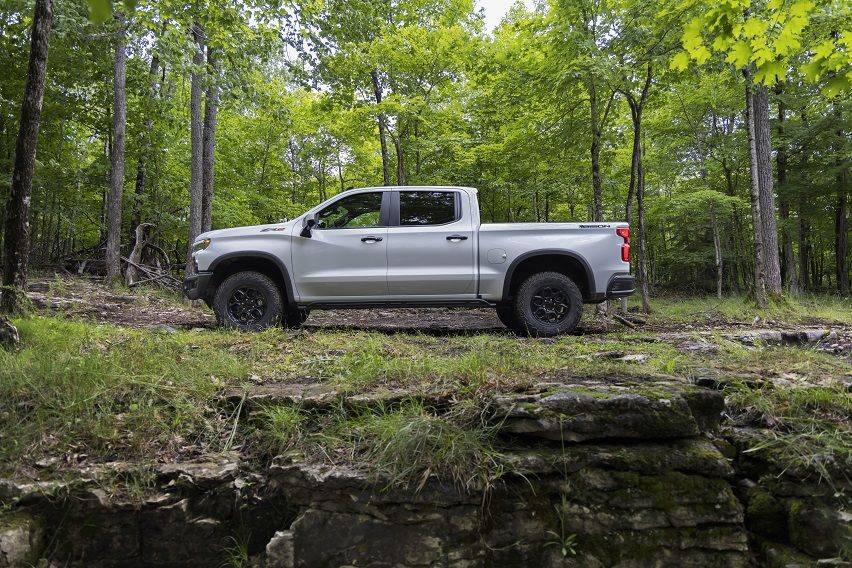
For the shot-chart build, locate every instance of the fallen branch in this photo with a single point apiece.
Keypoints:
(624, 321)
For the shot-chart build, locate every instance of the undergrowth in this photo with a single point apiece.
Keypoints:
(98, 392)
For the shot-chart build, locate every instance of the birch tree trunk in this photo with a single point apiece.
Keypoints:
(759, 276)
(116, 175)
(208, 159)
(196, 139)
(717, 250)
(16, 227)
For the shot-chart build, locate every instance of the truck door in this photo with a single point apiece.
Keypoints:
(346, 256)
(431, 244)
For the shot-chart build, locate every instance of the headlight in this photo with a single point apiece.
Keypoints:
(201, 245)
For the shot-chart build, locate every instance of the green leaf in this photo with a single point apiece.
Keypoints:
(801, 8)
(836, 86)
(680, 61)
(740, 54)
(754, 27)
(824, 49)
(770, 72)
(100, 10)
(812, 70)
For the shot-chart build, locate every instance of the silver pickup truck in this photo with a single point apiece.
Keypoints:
(409, 247)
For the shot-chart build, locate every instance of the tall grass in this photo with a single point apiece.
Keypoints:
(109, 392)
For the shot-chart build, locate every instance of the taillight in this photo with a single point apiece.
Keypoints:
(624, 233)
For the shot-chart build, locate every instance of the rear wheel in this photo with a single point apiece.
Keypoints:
(248, 301)
(547, 304)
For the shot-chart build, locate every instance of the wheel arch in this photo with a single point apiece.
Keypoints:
(569, 263)
(258, 261)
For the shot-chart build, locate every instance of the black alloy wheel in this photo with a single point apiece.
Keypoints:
(246, 305)
(550, 305)
(248, 301)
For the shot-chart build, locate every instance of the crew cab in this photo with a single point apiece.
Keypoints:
(411, 246)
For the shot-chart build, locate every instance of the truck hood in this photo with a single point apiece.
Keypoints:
(247, 231)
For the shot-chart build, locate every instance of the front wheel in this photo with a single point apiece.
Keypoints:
(248, 301)
(548, 304)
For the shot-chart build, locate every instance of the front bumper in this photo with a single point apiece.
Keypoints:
(195, 286)
(620, 286)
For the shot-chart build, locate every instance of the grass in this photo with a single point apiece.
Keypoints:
(410, 444)
(110, 392)
(101, 392)
(794, 310)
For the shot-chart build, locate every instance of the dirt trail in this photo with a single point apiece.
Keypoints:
(152, 308)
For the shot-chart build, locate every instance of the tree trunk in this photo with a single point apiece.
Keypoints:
(840, 230)
(145, 150)
(196, 138)
(790, 274)
(211, 108)
(401, 177)
(759, 277)
(16, 226)
(717, 250)
(140, 239)
(595, 150)
(804, 247)
(642, 265)
(116, 175)
(634, 160)
(769, 227)
(377, 92)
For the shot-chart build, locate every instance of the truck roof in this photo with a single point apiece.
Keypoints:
(411, 187)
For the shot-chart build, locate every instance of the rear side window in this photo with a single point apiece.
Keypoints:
(427, 207)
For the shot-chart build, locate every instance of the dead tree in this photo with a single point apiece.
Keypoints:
(143, 235)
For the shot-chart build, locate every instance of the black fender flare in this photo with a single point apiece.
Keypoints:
(590, 276)
(249, 254)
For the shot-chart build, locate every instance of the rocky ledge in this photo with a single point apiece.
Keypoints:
(591, 473)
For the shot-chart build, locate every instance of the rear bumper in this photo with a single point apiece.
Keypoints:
(620, 286)
(195, 286)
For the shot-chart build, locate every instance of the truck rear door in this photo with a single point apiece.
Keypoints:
(431, 241)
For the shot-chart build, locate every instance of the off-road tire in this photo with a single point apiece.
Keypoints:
(547, 304)
(262, 298)
(506, 315)
(294, 317)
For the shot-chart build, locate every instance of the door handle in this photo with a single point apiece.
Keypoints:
(456, 238)
(370, 239)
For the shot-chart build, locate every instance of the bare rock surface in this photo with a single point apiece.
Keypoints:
(594, 411)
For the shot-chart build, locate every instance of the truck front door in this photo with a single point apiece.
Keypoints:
(346, 256)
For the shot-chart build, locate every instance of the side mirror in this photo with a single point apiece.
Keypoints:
(308, 223)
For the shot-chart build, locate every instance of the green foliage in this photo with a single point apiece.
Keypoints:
(506, 110)
(100, 10)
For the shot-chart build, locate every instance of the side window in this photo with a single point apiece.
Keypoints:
(427, 207)
(355, 211)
